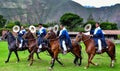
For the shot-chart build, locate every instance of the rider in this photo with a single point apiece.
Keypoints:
(41, 34)
(99, 37)
(64, 39)
(20, 34)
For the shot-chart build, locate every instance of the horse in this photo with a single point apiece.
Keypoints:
(55, 48)
(12, 45)
(34, 46)
(91, 49)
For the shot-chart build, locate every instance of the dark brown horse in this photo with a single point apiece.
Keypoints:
(55, 48)
(33, 46)
(12, 45)
(91, 49)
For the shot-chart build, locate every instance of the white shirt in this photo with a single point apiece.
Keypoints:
(96, 29)
(40, 30)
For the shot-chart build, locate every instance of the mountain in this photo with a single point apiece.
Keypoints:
(35, 11)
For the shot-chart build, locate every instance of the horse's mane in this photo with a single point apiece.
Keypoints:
(11, 35)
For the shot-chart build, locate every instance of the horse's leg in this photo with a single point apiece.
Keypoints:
(59, 61)
(76, 60)
(90, 57)
(51, 54)
(112, 56)
(54, 58)
(38, 56)
(8, 56)
(31, 57)
(77, 56)
(80, 57)
(17, 56)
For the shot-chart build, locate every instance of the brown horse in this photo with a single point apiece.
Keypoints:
(33, 46)
(12, 45)
(55, 48)
(91, 49)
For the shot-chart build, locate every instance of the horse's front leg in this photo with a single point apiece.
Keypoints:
(53, 59)
(17, 56)
(38, 56)
(31, 57)
(10, 52)
(90, 57)
(59, 61)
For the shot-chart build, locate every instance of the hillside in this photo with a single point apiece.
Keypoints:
(35, 11)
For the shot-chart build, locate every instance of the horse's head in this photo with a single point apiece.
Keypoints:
(79, 37)
(4, 34)
(28, 35)
(50, 35)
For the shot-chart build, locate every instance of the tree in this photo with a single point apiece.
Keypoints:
(71, 20)
(108, 26)
(2, 21)
(92, 22)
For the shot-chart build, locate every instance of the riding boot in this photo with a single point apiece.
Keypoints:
(64, 52)
(26, 45)
(98, 51)
(39, 48)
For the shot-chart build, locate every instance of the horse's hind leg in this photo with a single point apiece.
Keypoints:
(17, 56)
(77, 56)
(76, 60)
(112, 56)
(8, 56)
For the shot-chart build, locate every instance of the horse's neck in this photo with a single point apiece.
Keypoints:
(87, 40)
(52, 41)
(31, 36)
(10, 39)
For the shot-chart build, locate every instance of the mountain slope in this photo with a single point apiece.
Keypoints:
(35, 11)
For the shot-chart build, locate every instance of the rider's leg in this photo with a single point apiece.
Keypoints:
(21, 42)
(39, 44)
(99, 46)
(64, 47)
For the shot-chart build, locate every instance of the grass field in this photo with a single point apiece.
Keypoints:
(42, 65)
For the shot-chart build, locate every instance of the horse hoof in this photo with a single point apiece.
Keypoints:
(49, 68)
(29, 65)
(96, 64)
(6, 61)
(111, 66)
(63, 65)
(85, 68)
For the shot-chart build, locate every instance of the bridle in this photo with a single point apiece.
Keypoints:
(80, 37)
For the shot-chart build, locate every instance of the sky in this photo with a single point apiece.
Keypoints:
(97, 3)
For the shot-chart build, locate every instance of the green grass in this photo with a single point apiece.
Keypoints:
(42, 65)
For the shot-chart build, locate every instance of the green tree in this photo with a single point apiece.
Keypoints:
(92, 22)
(108, 26)
(71, 20)
(2, 21)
